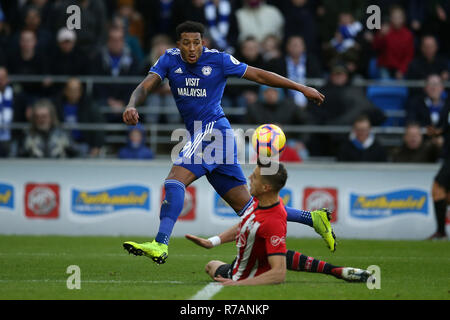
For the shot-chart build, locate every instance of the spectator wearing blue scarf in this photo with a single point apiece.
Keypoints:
(361, 145)
(346, 33)
(428, 108)
(115, 59)
(299, 66)
(221, 23)
(73, 106)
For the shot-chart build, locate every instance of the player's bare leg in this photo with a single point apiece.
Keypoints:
(238, 198)
(181, 174)
(212, 266)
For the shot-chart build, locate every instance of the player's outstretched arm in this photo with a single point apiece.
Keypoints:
(130, 115)
(226, 236)
(202, 242)
(274, 80)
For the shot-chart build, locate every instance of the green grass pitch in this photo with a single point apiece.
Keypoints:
(34, 267)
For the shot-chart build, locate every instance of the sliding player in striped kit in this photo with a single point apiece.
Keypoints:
(260, 238)
(197, 78)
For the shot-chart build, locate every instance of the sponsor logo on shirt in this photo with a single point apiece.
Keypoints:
(189, 91)
(276, 240)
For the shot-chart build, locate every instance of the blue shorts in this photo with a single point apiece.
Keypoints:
(212, 152)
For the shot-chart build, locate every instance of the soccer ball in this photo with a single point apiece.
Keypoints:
(268, 140)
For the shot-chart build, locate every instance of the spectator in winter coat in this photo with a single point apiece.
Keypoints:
(115, 59)
(135, 148)
(430, 107)
(73, 106)
(415, 149)
(66, 58)
(428, 62)
(273, 105)
(258, 19)
(361, 145)
(298, 65)
(45, 139)
(394, 44)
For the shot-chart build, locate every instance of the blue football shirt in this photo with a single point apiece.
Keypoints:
(198, 88)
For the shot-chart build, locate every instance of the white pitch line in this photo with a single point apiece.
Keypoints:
(124, 254)
(208, 291)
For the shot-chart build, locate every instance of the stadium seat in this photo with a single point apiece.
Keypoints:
(391, 100)
(372, 70)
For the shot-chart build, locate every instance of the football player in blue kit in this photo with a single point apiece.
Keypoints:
(197, 78)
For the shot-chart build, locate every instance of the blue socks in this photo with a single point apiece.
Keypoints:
(300, 216)
(170, 209)
(293, 215)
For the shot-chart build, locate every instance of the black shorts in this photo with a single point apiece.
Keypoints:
(225, 270)
(443, 176)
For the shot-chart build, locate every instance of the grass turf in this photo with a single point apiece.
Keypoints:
(34, 267)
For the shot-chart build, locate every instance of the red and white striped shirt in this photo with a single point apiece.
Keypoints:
(262, 232)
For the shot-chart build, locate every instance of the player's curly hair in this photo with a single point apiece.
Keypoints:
(189, 26)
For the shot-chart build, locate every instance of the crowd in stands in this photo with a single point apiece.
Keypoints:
(299, 39)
